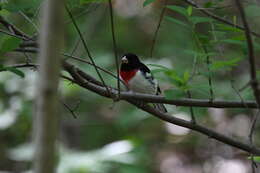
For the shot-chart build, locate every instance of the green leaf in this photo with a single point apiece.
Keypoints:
(197, 19)
(9, 43)
(13, 70)
(4, 13)
(225, 64)
(159, 68)
(147, 2)
(239, 37)
(232, 41)
(179, 10)
(176, 79)
(228, 28)
(256, 158)
(189, 10)
(186, 76)
(177, 21)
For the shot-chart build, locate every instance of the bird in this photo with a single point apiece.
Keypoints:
(138, 78)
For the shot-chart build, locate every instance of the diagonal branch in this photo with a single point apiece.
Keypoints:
(83, 82)
(85, 46)
(13, 29)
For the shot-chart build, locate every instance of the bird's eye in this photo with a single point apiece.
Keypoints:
(124, 60)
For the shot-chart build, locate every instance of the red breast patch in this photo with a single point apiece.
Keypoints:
(127, 75)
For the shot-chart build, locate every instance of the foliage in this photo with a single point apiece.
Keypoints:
(191, 48)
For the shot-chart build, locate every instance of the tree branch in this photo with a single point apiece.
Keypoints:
(220, 19)
(252, 67)
(158, 27)
(114, 45)
(251, 56)
(177, 102)
(163, 116)
(13, 29)
(85, 45)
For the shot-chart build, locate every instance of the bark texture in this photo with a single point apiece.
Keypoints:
(47, 108)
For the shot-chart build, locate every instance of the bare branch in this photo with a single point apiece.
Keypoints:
(251, 59)
(163, 116)
(251, 56)
(13, 29)
(209, 75)
(12, 34)
(29, 20)
(158, 27)
(85, 46)
(25, 65)
(72, 111)
(193, 119)
(177, 102)
(114, 45)
(89, 63)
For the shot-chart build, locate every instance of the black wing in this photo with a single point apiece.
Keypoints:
(150, 78)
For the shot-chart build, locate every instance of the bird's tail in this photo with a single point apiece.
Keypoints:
(160, 107)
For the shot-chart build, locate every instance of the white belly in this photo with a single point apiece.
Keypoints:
(141, 85)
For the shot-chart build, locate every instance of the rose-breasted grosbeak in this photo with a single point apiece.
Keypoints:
(138, 77)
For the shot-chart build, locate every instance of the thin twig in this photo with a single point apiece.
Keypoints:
(89, 63)
(251, 139)
(218, 18)
(72, 111)
(236, 90)
(24, 65)
(75, 46)
(209, 75)
(85, 46)
(253, 126)
(158, 27)
(27, 58)
(251, 58)
(193, 119)
(13, 29)
(83, 12)
(29, 50)
(29, 20)
(114, 45)
(245, 86)
(12, 34)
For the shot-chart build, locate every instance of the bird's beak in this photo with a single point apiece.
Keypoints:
(124, 60)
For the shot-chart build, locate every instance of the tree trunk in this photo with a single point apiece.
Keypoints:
(47, 119)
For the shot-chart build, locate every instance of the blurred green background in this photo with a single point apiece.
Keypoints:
(116, 137)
